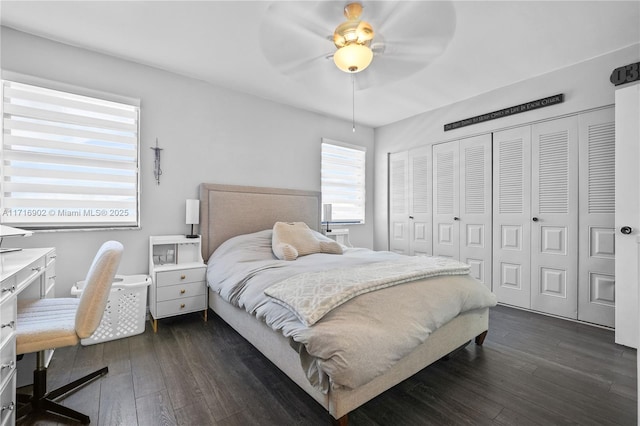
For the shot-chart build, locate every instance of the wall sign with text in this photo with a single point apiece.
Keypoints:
(625, 74)
(529, 106)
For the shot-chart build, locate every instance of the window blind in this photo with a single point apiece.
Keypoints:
(68, 161)
(343, 181)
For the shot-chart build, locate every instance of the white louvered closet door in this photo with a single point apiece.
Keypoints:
(475, 206)
(420, 182)
(399, 202)
(512, 216)
(554, 198)
(596, 278)
(446, 205)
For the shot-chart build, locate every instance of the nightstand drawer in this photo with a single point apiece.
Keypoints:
(180, 276)
(181, 306)
(181, 291)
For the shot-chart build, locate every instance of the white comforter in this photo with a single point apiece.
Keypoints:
(358, 340)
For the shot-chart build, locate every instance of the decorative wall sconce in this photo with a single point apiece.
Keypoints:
(157, 171)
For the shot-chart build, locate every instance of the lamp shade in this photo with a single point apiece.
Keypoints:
(327, 212)
(193, 212)
(353, 57)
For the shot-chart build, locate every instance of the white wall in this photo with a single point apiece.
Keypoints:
(585, 86)
(208, 134)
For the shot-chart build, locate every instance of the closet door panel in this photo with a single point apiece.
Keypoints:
(446, 204)
(512, 216)
(399, 202)
(475, 206)
(420, 186)
(596, 277)
(554, 260)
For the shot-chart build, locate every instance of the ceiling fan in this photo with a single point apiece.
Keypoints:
(380, 41)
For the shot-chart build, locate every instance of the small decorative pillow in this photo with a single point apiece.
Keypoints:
(293, 239)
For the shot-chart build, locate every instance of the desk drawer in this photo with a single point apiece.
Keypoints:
(26, 275)
(51, 257)
(8, 403)
(7, 360)
(7, 320)
(181, 291)
(180, 276)
(8, 288)
(181, 306)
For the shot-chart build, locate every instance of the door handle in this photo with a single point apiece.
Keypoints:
(410, 217)
(456, 218)
(535, 219)
(626, 230)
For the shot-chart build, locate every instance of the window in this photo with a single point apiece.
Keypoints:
(68, 161)
(343, 181)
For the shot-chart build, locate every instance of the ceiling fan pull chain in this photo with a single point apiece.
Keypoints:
(353, 102)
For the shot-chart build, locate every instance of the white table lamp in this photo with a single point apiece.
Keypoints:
(193, 215)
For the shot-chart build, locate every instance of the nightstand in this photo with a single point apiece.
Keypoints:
(178, 277)
(340, 235)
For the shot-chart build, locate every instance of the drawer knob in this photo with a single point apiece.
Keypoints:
(9, 324)
(182, 305)
(11, 289)
(183, 291)
(9, 407)
(9, 366)
(182, 277)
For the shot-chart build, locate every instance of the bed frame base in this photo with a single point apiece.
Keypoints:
(480, 338)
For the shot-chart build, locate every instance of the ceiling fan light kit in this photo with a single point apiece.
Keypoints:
(352, 38)
(353, 58)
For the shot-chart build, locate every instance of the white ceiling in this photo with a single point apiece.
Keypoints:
(494, 44)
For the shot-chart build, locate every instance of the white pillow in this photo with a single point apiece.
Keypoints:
(293, 239)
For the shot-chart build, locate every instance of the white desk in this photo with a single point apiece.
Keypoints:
(19, 271)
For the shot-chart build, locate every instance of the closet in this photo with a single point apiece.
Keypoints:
(531, 209)
(462, 203)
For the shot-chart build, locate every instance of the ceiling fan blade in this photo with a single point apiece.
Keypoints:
(296, 17)
(412, 36)
(293, 35)
(413, 21)
(304, 65)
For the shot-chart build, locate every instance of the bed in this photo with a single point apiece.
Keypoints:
(228, 211)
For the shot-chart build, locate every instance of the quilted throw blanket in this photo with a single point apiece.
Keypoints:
(311, 295)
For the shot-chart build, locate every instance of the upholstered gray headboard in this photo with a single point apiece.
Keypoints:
(229, 210)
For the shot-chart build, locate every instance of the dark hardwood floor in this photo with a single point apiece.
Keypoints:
(532, 370)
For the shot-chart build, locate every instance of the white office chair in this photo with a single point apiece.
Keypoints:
(58, 322)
